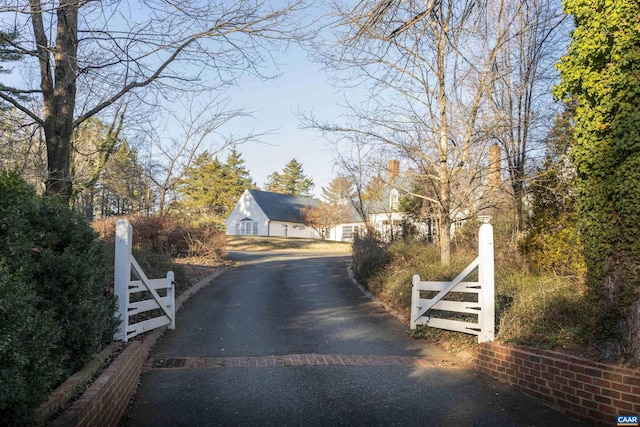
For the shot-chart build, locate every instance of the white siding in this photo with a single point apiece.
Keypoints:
(247, 208)
(292, 229)
(339, 232)
(386, 224)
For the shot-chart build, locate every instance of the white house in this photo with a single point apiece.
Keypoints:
(262, 213)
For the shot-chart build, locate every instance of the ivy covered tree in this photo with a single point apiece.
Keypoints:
(552, 241)
(291, 181)
(600, 71)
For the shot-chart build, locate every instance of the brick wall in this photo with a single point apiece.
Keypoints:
(585, 390)
(104, 402)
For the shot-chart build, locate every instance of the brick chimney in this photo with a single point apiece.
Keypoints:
(393, 170)
(495, 160)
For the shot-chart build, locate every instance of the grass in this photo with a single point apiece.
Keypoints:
(536, 309)
(262, 243)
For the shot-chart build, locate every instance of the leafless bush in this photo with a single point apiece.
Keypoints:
(207, 241)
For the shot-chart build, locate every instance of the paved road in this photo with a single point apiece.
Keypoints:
(286, 339)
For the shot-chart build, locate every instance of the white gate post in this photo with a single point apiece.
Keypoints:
(415, 299)
(171, 294)
(486, 298)
(122, 275)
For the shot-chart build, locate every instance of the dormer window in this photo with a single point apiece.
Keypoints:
(394, 198)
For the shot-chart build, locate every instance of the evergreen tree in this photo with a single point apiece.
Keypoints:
(291, 181)
(237, 179)
(122, 188)
(202, 186)
(210, 189)
(600, 72)
(7, 52)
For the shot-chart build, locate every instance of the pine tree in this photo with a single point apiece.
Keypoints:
(291, 181)
(7, 52)
(238, 178)
(122, 188)
(210, 189)
(202, 186)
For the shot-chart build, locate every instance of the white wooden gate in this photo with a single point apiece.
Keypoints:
(484, 308)
(125, 264)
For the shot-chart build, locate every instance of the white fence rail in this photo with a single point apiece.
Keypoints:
(483, 308)
(124, 286)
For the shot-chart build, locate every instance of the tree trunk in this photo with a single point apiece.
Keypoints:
(59, 95)
(163, 196)
(633, 327)
(518, 196)
(443, 144)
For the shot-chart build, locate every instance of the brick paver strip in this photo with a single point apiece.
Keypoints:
(312, 359)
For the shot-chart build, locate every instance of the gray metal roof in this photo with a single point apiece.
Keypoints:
(283, 207)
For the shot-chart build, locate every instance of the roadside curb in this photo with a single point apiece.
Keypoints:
(392, 311)
(466, 358)
(150, 340)
(106, 399)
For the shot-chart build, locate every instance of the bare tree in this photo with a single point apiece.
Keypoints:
(199, 130)
(22, 146)
(324, 217)
(89, 56)
(522, 108)
(429, 66)
(357, 163)
(93, 144)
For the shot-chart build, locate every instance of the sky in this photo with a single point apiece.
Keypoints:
(301, 86)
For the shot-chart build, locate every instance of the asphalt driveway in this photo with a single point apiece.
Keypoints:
(285, 339)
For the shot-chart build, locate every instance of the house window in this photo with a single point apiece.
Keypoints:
(285, 230)
(247, 226)
(347, 232)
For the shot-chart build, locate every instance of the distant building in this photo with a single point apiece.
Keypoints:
(262, 213)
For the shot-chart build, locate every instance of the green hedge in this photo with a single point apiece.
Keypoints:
(56, 309)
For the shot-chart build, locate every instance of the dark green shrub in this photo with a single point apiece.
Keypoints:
(28, 338)
(59, 266)
(69, 268)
